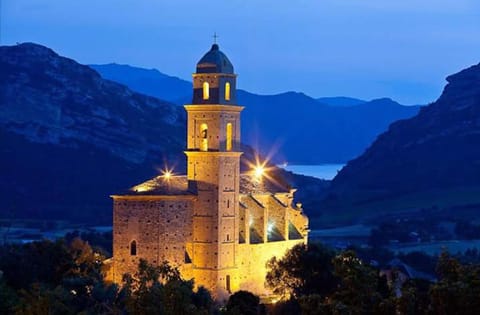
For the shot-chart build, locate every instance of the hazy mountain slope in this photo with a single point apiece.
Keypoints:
(340, 101)
(304, 131)
(297, 127)
(147, 81)
(432, 158)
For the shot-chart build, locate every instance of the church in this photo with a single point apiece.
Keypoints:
(215, 224)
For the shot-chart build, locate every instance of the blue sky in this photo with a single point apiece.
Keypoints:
(401, 49)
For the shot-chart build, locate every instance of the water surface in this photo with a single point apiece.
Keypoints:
(322, 171)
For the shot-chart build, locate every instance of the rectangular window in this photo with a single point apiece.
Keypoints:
(228, 144)
(227, 91)
(206, 91)
(227, 284)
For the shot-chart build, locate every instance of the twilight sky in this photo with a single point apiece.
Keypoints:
(401, 49)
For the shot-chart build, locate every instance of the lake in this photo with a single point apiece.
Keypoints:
(322, 171)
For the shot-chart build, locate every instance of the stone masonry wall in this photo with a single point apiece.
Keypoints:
(252, 263)
(216, 122)
(160, 228)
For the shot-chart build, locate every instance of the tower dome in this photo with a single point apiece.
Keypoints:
(214, 61)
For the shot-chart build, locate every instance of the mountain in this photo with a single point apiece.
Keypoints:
(303, 131)
(429, 161)
(297, 128)
(69, 138)
(341, 101)
(147, 81)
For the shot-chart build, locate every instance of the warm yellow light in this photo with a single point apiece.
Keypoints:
(258, 171)
(206, 91)
(203, 137)
(261, 172)
(227, 91)
(229, 137)
(142, 187)
(167, 174)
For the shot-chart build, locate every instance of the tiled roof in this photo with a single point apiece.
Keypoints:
(174, 185)
(249, 185)
(214, 61)
(179, 185)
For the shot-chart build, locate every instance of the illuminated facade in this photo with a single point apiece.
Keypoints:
(215, 224)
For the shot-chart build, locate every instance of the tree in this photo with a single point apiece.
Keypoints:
(360, 290)
(458, 288)
(305, 269)
(8, 298)
(313, 304)
(414, 299)
(56, 278)
(44, 261)
(42, 300)
(243, 303)
(161, 290)
(286, 307)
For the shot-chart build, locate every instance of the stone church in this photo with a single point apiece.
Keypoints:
(215, 224)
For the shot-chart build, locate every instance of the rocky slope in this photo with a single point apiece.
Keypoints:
(52, 99)
(433, 156)
(70, 137)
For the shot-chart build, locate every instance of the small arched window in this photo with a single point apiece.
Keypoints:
(206, 91)
(227, 91)
(133, 248)
(203, 137)
(228, 144)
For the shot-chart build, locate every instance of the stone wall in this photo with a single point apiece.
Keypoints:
(161, 229)
(216, 117)
(299, 220)
(266, 217)
(217, 88)
(205, 246)
(252, 263)
(256, 219)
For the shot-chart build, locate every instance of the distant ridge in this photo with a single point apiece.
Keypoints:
(301, 130)
(341, 101)
(147, 81)
(286, 123)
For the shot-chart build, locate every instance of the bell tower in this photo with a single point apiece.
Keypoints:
(213, 165)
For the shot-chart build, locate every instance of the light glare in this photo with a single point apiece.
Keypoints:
(269, 227)
(259, 171)
(167, 174)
